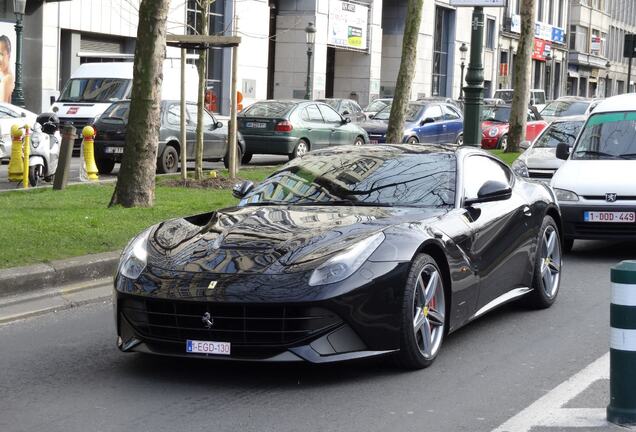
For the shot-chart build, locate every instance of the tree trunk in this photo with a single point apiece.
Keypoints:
(136, 180)
(204, 9)
(395, 131)
(521, 82)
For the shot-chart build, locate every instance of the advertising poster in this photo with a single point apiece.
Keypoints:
(348, 25)
(7, 60)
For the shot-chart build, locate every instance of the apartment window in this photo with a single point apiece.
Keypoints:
(572, 37)
(560, 22)
(540, 10)
(443, 20)
(595, 44)
(490, 33)
(550, 11)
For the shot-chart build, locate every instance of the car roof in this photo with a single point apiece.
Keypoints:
(624, 102)
(404, 148)
(573, 118)
(572, 99)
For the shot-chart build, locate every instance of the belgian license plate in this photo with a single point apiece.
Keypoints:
(373, 141)
(208, 347)
(611, 217)
(114, 150)
(256, 125)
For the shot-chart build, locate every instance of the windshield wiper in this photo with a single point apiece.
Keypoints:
(598, 153)
(628, 155)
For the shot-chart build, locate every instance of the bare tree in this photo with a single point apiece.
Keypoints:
(202, 67)
(521, 82)
(406, 74)
(136, 180)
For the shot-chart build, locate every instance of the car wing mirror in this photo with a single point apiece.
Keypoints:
(241, 189)
(563, 151)
(218, 125)
(371, 116)
(23, 114)
(490, 191)
(427, 120)
(346, 113)
(525, 145)
(346, 120)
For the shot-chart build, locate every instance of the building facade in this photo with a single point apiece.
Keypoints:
(622, 22)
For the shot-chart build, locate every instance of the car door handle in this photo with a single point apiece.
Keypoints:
(527, 211)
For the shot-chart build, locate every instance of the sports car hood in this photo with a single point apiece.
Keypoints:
(596, 177)
(270, 240)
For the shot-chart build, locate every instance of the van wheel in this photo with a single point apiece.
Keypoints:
(169, 160)
(105, 166)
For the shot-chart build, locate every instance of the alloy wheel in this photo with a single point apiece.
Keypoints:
(428, 311)
(550, 261)
(301, 149)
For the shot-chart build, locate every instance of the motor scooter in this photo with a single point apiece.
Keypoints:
(44, 149)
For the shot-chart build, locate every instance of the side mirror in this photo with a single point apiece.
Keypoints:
(427, 120)
(563, 151)
(371, 116)
(218, 125)
(22, 114)
(346, 120)
(491, 191)
(241, 189)
(525, 145)
(346, 113)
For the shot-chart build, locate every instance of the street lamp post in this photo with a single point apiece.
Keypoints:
(548, 69)
(608, 65)
(17, 97)
(310, 32)
(474, 89)
(463, 49)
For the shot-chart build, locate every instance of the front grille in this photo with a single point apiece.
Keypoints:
(541, 174)
(605, 229)
(603, 198)
(270, 325)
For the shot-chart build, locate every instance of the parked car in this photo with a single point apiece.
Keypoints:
(496, 122)
(347, 108)
(537, 97)
(425, 122)
(346, 253)
(294, 127)
(595, 186)
(10, 115)
(566, 106)
(111, 135)
(376, 105)
(539, 160)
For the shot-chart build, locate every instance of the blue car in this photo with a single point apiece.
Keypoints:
(425, 122)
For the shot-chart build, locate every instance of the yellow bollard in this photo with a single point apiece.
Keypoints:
(26, 151)
(89, 152)
(16, 164)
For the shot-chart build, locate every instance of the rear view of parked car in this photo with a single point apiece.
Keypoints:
(565, 106)
(111, 136)
(293, 128)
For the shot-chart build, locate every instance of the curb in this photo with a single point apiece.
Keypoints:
(21, 280)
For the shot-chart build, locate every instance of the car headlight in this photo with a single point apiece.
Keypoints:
(493, 132)
(565, 195)
(134, 257)
(344, 264)
(520, 167)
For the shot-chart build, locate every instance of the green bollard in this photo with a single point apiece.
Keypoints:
(622, 406)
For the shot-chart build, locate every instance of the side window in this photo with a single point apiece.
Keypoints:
(173, 115)
(192, 114)
(478, 170)
(450, 113)
(304, 115)
(434, 112)
(356, 108)
(329, 114)
(313, 113)
(346, 106)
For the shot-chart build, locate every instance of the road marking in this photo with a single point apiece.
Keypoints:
(547, 411)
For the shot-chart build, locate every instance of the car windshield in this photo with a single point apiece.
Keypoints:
(413, 112)
(563, 109)
(333, 103)
(504, 94)
(608, 136)
(273, 109)
(496, 113)
(560, 132)
(95, 90)
(376, 106)
(117, 112)
(384, 114)
(388, 177)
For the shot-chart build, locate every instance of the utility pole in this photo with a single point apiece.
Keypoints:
(474, 90)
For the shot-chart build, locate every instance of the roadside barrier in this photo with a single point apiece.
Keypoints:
(88, 145)
(622, 406)
(26, 151)
(16, 164)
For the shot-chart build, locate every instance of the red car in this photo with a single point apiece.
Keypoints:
(495, 124)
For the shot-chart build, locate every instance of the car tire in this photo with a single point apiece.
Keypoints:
(239, 158)
(568, 244)
(423, 314)
(105, 166)
(34, 176)
(412, 140)
(358, 141)
(548, 263)
(247, 157)
(460, 139)
(300, 150)
(169, 160)
(502, 144)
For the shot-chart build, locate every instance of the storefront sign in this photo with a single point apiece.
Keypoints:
(541, 49)
(486, 3)
(541, 30)
(7, 61)
(596, 44)
(348, 25)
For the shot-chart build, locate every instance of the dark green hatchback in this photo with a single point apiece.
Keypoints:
(294, 127)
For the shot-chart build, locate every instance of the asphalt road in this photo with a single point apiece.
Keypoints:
(62, 372)
(257, 160)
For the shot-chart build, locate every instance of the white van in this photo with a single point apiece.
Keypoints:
(596, 186)
(94, 86)
(537, 97)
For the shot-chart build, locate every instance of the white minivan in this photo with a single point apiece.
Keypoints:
(596, 186)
